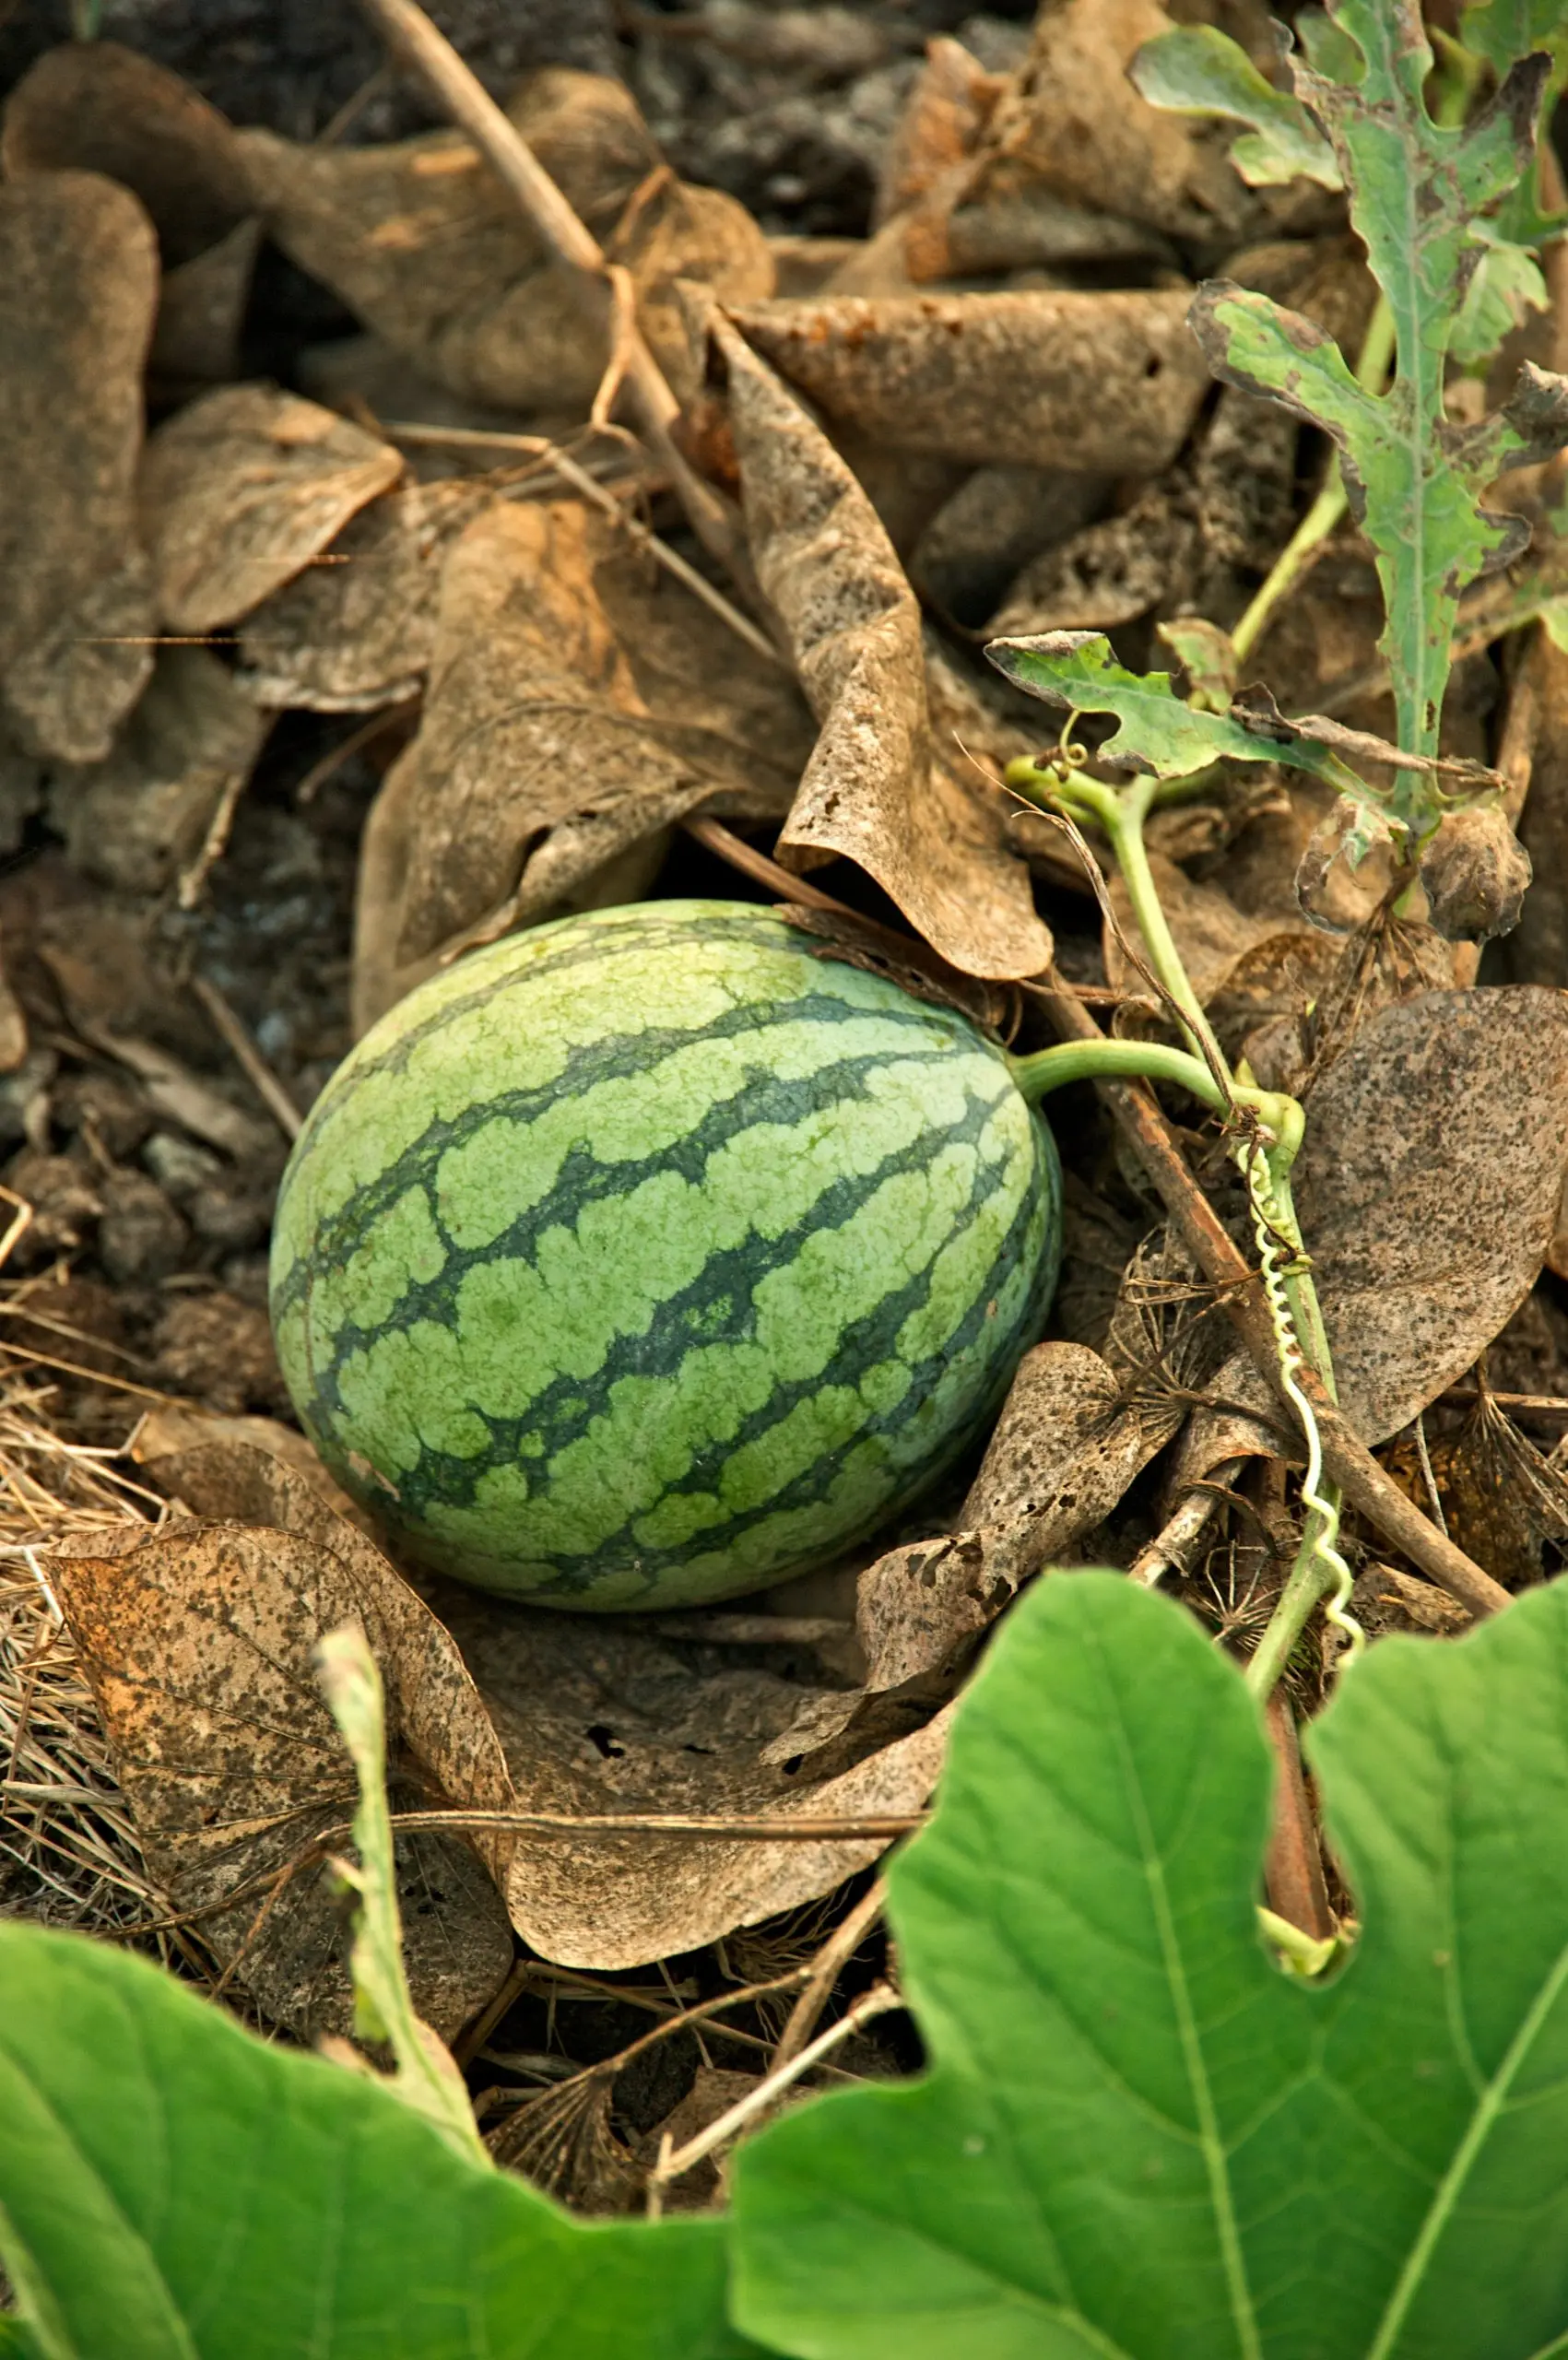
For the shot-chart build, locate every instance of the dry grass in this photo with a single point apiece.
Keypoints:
(69, 1856)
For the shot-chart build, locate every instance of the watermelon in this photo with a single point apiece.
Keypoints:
(652, 1256)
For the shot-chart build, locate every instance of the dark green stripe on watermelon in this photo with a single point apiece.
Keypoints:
(649, 1257)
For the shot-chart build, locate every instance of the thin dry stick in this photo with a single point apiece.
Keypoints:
(764, 870)
(878, 2002)
(1173, 1548)
(193, 878)
(315, 778)
(470, 106)
(249, 1058)
(564, 465)
(1347, 1458)
(826, 1968)
(874, 1827)
(671, 559)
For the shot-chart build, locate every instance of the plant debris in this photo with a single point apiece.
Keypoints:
(378, 582)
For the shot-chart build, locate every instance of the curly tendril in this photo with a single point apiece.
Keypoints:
(1276, 1261)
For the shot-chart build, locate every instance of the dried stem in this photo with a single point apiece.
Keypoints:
(828, 1966)
(465, 99)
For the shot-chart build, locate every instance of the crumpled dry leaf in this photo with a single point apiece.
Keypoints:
(359, 631)
(242, 491)
(198, 1641)
(607, 1717)
(99, 107)
(135, 820)
(429, 247)
(997, 522)
(872, 790)
(1065, 1450)
(942, 119)
(1428, 1191)
(79, 283)
(1070, 122)
(1224, 507)
(1025, 377)
(595, 1718)
(174, 1429)
(577, 708)
(1504, 1504)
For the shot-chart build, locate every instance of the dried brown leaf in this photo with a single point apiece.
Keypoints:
(605, 1716)
(240, 491)
(359, 631)
(172, 1431)
(1021, 377)
(135, 820)
(1065, 1450)
(1070, 122)
(577, 708)
(1427, 1191)
(79, 282)
(428, 246)
(197, 1642)
(1537, 951)
(201, 311)
(1504, 1504)
(872, 790)
(99, 107)
(943, 118)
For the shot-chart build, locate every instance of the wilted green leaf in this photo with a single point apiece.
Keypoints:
(171, 2189)
(1199, 70)
(1137, 2138)
(1156, 733)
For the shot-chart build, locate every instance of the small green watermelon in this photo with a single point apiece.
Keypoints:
(650, 1256)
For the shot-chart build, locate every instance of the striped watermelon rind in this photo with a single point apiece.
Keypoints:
(650, 1257)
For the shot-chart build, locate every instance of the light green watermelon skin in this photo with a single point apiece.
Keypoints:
(650, 1257)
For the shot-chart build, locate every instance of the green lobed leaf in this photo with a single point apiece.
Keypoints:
(1139, 2141)
(1502, 31)
(171, 2189)
(1196, 69)
(1156, 731)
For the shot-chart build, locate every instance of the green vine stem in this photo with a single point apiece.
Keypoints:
(1267, 1130)
(1371, 371)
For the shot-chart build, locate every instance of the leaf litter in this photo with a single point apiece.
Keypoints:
(942, 387)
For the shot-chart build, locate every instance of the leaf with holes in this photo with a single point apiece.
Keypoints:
(1137, 2136)
(1423, 198)
(1156, 731)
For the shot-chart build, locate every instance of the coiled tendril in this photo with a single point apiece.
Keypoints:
(1271, 1227)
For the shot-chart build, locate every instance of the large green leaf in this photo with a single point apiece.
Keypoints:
(1138, 2140)
(171, 2187)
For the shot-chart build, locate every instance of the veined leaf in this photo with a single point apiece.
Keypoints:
(1413, 482)
(1196, 69)
(1157, 732)
(1137, 2137)
(171, 2189)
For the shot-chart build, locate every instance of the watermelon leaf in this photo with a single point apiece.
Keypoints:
(173, 2189)
(1196, 69)
(1420, 195)
(1138, 2136)
(1157, 733)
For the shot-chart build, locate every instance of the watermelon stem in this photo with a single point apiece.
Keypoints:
(1266, 1130)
